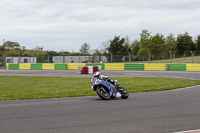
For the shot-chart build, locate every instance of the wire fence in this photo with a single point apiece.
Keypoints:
(109, 58)
(151, 58)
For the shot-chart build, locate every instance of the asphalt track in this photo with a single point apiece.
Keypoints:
(111, 73)
(151, 112)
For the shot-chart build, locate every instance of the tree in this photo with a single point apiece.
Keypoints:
(158, 44)
(198, 44)
(85, 49)
(145, 39)
(2, 49)
(102, 49)
(40, 54)
(11, 48)
(155, 44)
(28, 53)
(170, 44)
(146, 43)
(12, 45)
(97, 51)
(116, 46)
(142, 54)
(127, 45)
(185, 43)
(135, 46)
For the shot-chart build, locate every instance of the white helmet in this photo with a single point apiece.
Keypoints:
(96, 74)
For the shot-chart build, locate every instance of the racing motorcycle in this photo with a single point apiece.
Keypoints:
(108, 89)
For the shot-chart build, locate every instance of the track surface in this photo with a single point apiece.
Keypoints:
(118, 73)
(152, 112)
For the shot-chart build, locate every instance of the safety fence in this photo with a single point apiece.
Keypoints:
(106, 66)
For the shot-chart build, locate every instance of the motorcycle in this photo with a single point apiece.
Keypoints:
(106, 89)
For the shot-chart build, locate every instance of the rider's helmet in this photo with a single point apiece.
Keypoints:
(97, 74)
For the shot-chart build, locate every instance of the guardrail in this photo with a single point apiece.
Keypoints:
(106, 66)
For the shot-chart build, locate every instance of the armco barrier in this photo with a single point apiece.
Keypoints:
(192, 67)
(155, 67)
(48, 66)
(36, 66)
(74, 66)
(114, 66)
(96, 64)
(176, 67)
(25, 66)
(133, 66)
(60, 66)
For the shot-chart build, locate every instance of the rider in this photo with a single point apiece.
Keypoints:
(97, 75)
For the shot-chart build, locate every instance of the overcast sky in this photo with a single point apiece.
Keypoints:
(67, 24)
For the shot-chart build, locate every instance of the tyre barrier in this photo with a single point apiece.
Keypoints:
(88, 69)
(48, 66)
(192, 67)
(106, 66)
(114, 66)
(74, 66)
(176, 67)
(155, 67)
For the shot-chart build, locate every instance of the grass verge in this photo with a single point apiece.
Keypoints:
(2, 67)
(35, 87)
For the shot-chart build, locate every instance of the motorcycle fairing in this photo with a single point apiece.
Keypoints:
(111, 89)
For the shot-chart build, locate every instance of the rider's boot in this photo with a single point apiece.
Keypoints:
(92, 88)
(119, 88)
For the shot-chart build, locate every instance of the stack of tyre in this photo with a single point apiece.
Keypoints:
(89, 69)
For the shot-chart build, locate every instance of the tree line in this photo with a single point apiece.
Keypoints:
(157, 44)
(10, 48)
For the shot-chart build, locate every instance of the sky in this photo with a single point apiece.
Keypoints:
(64, 25)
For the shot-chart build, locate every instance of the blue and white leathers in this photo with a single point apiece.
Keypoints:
(106, 85)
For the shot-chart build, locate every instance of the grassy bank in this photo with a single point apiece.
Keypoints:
(182, 60)
(27, 87)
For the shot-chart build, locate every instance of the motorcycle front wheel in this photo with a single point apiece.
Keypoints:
(124, 94)
(102, 93)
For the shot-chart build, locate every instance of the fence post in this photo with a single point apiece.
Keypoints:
(48, 58)
(11, 58)
(63, 57)
(149, 56)
(192, 56)
(33, 57)
(170, 56)
(129, 57)
(19, 58)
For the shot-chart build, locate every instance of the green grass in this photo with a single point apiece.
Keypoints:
(196, 60)
(32, 87)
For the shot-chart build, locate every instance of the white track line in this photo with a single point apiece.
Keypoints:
(190, 131)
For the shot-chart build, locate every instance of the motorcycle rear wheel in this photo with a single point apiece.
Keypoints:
(102, 93)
